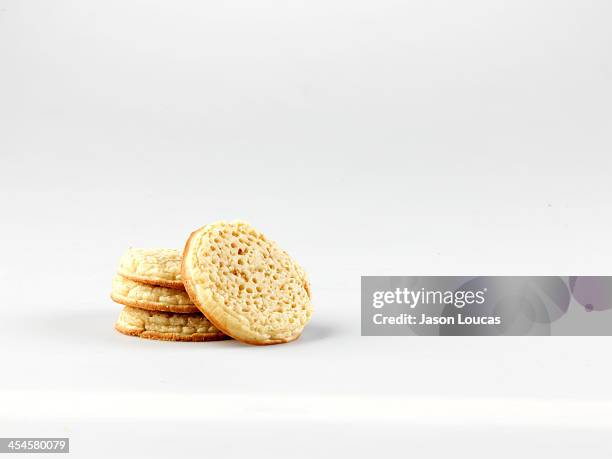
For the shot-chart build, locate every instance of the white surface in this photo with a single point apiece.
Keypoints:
(366, 138)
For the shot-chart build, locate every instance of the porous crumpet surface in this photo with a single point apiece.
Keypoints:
(245, 284)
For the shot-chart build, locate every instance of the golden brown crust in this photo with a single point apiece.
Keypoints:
(270, 341)
(169, 336)
(217, 319)
(150, 306)
(178, 285)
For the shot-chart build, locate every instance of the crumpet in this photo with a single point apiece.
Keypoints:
(150, 297)
(245, 284)
(166, 326)
(152, 266)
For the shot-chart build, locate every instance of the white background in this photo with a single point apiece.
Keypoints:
(431, 137)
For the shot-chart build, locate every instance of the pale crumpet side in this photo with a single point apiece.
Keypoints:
(167, 326)
(245, 284)
(151, 297)
(152, 266)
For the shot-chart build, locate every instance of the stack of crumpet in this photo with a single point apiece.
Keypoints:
(156, 306)
(230, 281)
